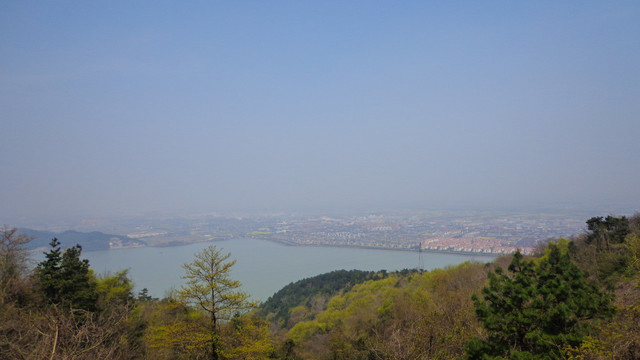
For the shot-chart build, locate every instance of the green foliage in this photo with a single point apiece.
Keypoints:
(66, 280)
(562, 244)
(72, 329)
(618, 338)
(246, 337)
(114, 290)
(78, 288)
(605, 252)
(632, 245)
(210, 289)
(536, 309)
(303, 294)
(607, 231)
(49, 272)
(346, 317)
(175, 331)
(412, 316)
(619, 269)
(143, 295)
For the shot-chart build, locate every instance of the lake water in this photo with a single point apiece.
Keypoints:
(263, 267)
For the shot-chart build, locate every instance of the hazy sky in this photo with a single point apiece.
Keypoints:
(121, 107)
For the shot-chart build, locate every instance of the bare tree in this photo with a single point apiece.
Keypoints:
(13, 263)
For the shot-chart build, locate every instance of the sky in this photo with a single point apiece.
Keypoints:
(111, 108)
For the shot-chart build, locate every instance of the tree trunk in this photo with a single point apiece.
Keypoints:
(214, 331)
(214, 342)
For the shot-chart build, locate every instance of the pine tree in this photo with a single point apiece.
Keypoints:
(65, 279)
(78, 288)
(537, 309)
(607, 231)
(49, 273)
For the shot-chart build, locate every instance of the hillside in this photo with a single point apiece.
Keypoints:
(94, 240)
(305, 297)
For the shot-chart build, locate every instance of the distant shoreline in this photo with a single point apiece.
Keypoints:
(289, 243)
(430, 251)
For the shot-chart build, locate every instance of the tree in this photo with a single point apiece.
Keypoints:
(49, 272)
(67, 280)
(601, 252)
(246, 337)
(13, 255)
(209, 288)
(176, 331)
(78, 287)
(114, 290)
(538, 309)
(13, 264)
(607, 231)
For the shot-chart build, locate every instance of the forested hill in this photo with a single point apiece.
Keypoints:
(313, 293)
(89, 241)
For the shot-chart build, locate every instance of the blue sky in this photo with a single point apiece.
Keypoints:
(117, 108)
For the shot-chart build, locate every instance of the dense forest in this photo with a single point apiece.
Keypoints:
(290, 304)
(576, 298)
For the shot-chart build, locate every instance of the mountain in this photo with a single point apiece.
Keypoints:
(94, 240)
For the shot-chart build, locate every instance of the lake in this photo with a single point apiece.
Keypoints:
(263, 267)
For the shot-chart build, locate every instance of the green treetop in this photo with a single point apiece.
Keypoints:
(536, 310)
(65, 279)
(210, 288)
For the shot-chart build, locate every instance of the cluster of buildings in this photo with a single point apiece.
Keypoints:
(483, 233)
(480, 245)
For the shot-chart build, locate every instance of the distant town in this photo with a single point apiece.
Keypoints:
(490, 233)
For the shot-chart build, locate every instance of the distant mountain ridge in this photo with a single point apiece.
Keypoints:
(94, 240)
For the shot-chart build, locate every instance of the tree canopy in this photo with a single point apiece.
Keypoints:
(209, 288)
(536, 308)
(65, 279)
(607, 231)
